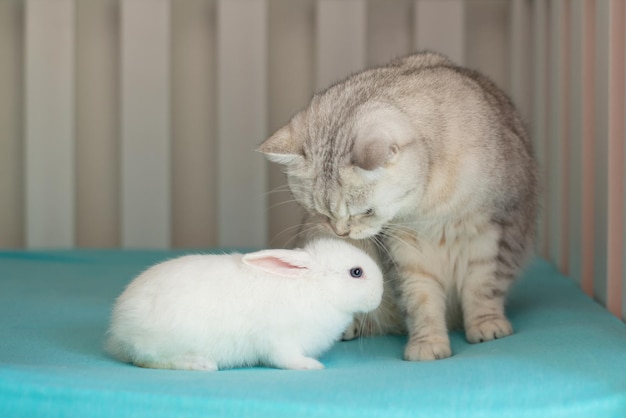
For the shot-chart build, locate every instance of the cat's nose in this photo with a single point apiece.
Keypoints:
(341, 229)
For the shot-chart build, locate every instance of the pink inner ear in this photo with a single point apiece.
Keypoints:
(275, 265)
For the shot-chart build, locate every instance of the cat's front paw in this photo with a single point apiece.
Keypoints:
(427, 350)
(488, 330)
(351, 332)
(359, 327)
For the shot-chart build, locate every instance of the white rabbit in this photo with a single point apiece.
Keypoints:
(279, 308)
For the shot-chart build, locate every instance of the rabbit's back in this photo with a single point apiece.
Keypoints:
(176, 305)
(216, 307)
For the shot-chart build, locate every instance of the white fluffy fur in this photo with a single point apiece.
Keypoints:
(278, 308)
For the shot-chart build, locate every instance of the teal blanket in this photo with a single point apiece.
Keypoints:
(566, 359)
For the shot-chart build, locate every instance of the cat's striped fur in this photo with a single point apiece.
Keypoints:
(428, 165)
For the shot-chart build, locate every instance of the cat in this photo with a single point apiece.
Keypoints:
(428, 166)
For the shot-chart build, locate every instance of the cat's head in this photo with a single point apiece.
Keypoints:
(355, 168)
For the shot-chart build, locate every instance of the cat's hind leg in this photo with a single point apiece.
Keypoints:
(483, 296)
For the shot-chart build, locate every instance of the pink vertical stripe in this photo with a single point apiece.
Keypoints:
(588, 128)
(616, 157)
(547, 61)
(565, 54)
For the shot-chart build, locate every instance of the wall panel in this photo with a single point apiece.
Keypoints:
(49, 123)
(242, 122)
(617, 114)
(194, 132)
(600, 145)
(487, 39)
(389, 30)
(540, 116)
(431, 16)
(588, 171)
(11, 118)
(291, 81)
(134, 123)
(624, 215)
(97, 124)
(340, 39)
(575, 157)
(145, 123)
(559, 134)
(521, 37)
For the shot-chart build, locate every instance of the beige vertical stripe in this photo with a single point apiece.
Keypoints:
(487, 40)
(389, 30)
(575, 157)
(242, 122)
(291, 84)
(433, 15)
(617, 113)
(588, 157)
(554, 134)
(540, 110)
(11, 132)
(194, 162)
(565, 134)
(49, 121)
(145, 123)
(97, 124)
(601, 150)
(341, 37)
(521, 57)
(624, 217)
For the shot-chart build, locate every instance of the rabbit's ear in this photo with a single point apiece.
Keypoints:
(289, 263)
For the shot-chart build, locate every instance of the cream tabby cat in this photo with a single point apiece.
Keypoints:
(430, 162)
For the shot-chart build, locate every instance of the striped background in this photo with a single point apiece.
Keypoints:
(133, 123)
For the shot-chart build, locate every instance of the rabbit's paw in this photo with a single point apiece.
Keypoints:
(191, 362)
(299, 362)
(197, 363)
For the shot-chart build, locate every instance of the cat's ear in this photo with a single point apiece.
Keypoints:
(282, 147)
(375, 153)
(380, 137)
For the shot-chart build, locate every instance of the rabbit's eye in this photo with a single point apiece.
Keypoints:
(356, 272)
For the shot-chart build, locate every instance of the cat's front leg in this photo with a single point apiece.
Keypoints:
(423, 299)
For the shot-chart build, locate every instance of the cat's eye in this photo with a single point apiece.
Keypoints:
(368, 212)
(356, 272)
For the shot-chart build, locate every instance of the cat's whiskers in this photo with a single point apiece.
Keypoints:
(419, 234)
(361, 330)
(394, 237)
(283, 189)
(289, 229)
(284, 202)
(382, 248)
(303, 231)
(418, 228)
